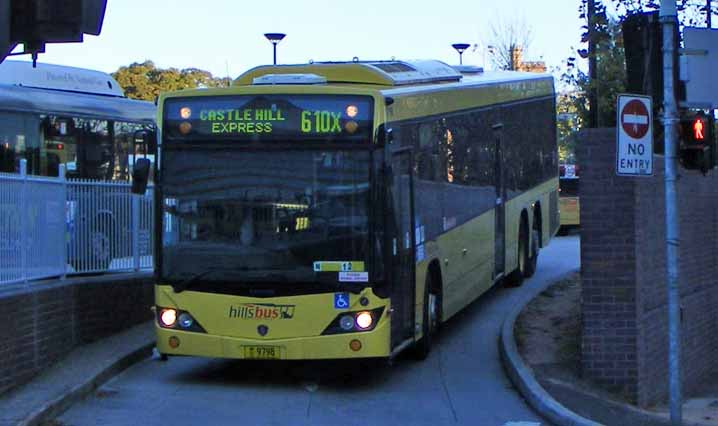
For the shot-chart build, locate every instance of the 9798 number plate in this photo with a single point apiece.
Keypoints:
(262, 352)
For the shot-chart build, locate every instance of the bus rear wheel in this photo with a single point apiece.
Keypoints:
(430, 320)
(516, 278)
(533, 259)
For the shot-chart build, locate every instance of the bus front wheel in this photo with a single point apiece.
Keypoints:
(430, 320)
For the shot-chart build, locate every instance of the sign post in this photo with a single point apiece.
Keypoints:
(634, 150)
(669, 20)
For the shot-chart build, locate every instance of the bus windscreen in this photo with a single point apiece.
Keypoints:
(269, 117)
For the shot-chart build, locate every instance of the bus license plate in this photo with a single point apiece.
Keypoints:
(262, 352)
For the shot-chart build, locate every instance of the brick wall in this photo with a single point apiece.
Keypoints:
(624, 342)
(43, 321)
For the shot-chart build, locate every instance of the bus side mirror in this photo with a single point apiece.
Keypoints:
(385, 136)
(140, 176)
(147, 139)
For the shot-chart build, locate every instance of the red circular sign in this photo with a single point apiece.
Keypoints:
(634, 119)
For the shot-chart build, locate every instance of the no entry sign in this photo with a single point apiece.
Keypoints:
(634, 150)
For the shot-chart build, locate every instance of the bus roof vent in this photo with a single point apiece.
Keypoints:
(289, 79)
(468, 69)
(416, 72)
(393, 67)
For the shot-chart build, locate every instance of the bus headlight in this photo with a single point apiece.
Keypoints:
(346, 322)
(354, 322)
(364, 320)
(186, 320)
(168, 317)
(177, 319)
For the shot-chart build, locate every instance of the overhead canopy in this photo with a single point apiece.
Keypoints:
(24, 99)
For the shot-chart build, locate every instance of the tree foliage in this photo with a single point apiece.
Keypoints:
(610, 62)
(145, 81)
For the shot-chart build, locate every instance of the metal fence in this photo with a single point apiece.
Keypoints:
(32, 226)
(52, 227)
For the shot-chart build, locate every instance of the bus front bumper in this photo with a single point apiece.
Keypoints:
(372, 344)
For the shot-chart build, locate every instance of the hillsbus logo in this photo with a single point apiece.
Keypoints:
(262, 311)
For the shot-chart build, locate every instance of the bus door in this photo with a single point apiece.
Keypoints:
(401, 247)
(500, 208)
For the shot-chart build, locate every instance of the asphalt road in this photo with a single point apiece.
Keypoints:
(462, 381)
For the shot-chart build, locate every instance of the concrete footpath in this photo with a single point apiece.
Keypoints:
(75, 376)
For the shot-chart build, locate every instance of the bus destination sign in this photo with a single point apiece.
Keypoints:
(266, 117)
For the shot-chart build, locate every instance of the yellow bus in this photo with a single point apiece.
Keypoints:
(569, 205)
(344, 210)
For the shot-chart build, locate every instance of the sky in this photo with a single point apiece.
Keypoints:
(226, 37)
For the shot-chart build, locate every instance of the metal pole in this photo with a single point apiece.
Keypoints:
(669, 20)
(62, 175)
(461, 62)
(709, 13)
(136, 230)
(24, 238)
(275, 52)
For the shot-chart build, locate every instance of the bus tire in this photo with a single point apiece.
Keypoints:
(100, 246)
(533, 260)
(430, 320)
(516, 278)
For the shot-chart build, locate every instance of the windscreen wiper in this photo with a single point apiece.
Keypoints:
(184, 285)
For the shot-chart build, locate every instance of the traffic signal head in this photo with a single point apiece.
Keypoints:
(698, 145)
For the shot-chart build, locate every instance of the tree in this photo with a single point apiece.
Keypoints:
(145, 81)
(507, 38)
(611, 76)
(610, 61)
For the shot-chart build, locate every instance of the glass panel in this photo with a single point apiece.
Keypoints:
(568, 187)
(264, 216)
(124, 155)
(19, 138)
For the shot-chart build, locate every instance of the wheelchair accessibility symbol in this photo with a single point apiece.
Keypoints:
(341, 300)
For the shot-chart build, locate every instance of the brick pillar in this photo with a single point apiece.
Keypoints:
(608, 267)
(624, 305)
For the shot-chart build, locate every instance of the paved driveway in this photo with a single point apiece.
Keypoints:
(462, 381)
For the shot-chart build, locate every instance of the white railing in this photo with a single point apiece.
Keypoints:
(55, 226)
(32, 226)
(109, 228)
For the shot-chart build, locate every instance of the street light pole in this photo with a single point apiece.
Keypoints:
(275, 38)
(460, 47)
(669, 20)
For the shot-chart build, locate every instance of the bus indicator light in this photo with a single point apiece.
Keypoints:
(351, 126)
(185, 128)
(174, 342)
(352, 111)
(185, 113)
(355, 345)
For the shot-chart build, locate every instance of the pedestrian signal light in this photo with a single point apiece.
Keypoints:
(697, 142)
(698, 130)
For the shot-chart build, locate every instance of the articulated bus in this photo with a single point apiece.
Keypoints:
(344, 210)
